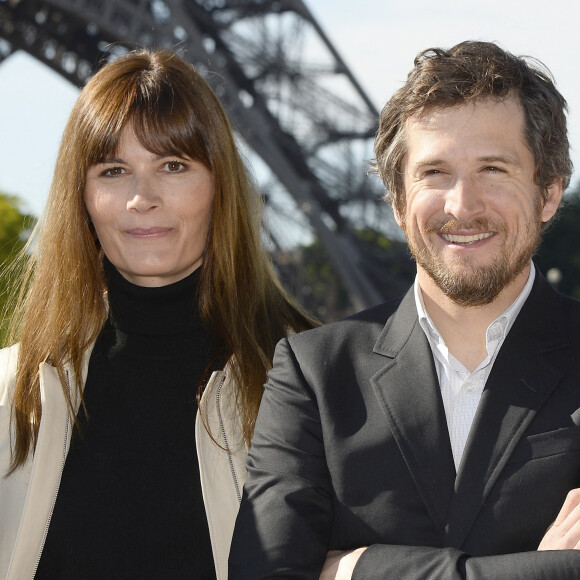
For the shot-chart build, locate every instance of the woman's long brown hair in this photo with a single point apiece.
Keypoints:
(61, 308)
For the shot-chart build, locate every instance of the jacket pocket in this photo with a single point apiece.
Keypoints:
(559, 441)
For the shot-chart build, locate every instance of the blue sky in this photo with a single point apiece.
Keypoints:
(378, 39)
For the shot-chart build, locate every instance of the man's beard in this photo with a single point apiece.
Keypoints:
(470, 285)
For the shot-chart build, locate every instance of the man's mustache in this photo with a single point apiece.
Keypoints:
(450, 225)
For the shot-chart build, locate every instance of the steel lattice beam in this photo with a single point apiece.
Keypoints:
(286, 89)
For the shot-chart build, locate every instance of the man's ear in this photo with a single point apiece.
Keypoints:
(552, 201)
(398, 218)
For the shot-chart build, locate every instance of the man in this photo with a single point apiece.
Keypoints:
(437, 436)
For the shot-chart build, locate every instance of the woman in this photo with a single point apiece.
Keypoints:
(148, 290)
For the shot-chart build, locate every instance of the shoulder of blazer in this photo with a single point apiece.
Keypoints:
(8, 367)
(548, 318)
(364, 327)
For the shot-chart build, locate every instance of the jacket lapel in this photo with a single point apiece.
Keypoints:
(45, 468)
(53, 439)
(407, 389)
(521, 380)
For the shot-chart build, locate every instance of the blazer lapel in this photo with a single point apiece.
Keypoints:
(521, 380)
(407, 389)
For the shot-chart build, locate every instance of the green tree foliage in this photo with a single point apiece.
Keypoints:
(15, 227)
(559, 254)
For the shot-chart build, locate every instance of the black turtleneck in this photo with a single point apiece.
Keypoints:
(130, 503)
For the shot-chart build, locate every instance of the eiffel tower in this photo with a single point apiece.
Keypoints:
(304, 120)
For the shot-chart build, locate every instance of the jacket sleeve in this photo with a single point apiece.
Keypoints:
(285, 524)
(380, 562)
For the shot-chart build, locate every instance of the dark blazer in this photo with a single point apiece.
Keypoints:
(351, 449)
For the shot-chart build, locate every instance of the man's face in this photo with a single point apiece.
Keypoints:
(473, 212)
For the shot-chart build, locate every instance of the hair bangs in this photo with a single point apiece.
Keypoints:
(160, 110)
(104, 114)
(170, 130)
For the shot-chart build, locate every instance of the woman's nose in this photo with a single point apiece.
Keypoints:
(142, 196)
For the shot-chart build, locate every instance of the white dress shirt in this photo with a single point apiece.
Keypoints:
(460, 389)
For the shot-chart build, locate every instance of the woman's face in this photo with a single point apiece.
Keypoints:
(151, 212)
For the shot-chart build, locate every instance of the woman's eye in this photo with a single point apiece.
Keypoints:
(174, 166)
(112, 172)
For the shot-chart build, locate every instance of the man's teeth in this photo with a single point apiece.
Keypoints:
(454, 239)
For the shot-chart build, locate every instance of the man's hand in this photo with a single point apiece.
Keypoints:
(564, 533)
(339, 564)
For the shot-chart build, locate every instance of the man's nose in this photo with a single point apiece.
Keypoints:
(464, 199)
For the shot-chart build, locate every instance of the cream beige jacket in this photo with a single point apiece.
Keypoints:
(27, 496)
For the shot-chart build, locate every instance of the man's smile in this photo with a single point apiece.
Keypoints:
(459, 239)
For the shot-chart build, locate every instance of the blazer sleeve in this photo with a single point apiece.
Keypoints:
(285, 523)
(380, 562)
(285, 518)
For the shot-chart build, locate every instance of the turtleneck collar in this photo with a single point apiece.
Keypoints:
(161, 311)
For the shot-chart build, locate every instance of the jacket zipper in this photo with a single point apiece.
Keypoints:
(64, 454)
(225, 438)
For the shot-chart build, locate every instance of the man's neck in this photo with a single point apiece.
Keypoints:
(463, 328)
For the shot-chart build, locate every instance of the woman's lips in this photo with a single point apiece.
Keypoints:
(149, 232)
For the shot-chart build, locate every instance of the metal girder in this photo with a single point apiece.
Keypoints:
(289, 95)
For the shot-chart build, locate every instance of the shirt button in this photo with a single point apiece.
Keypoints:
(468, 387)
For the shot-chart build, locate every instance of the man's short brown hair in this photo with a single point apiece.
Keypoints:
(467, 72)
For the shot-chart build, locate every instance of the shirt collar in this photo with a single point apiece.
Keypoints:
(497, 330)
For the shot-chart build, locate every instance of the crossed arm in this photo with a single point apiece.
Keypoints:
(563, 534)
